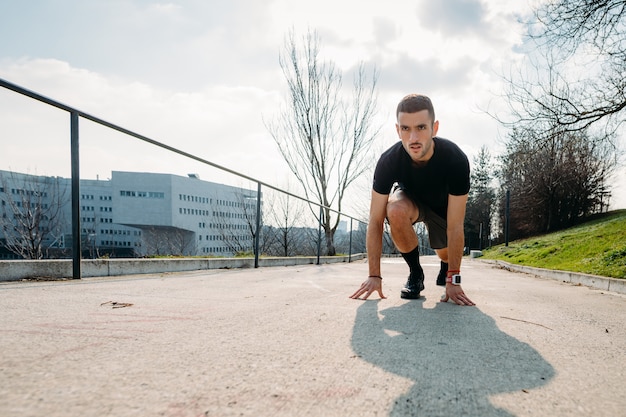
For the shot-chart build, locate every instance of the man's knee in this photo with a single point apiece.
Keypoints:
(401, 212)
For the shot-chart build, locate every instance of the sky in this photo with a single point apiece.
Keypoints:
(203, 76)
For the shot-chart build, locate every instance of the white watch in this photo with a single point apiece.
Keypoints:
(454, 279)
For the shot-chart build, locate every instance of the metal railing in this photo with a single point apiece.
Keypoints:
(75, 116)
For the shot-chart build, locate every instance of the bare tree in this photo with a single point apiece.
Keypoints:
(236, 224)
(570, 35)
(283, 213)
(166, 240)
(561, 149)
(323, 137)
(31, 215)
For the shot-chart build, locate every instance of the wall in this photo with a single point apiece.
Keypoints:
(59, 269)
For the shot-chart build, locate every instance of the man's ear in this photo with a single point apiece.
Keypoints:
(435, 127)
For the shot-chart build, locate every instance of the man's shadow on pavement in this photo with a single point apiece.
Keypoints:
(456, 356)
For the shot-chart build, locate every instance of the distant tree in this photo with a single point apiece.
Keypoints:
(167, 241)
(481, 200)
(555, 181)
(284, 213)
(323, 137)
(31, 216)
(561, 149)
(236, 224)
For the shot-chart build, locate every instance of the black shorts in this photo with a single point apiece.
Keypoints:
(436, 225)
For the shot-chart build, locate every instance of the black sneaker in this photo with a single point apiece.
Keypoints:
(414, 285)
(443, 272)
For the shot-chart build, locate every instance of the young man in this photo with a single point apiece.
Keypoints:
(421, 178)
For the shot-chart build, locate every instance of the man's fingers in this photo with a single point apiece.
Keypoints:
(360, 291)
(467, 301)
(357, 294)
(460, 299)
(367, 288)
(463, 300)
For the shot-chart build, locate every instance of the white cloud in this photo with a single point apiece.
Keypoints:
(200, 76)
(219, 123)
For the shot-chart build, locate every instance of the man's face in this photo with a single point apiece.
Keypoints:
(416, 131)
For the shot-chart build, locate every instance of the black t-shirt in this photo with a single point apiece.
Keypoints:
(447, 172)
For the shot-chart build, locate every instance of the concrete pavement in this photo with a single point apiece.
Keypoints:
(287, 341)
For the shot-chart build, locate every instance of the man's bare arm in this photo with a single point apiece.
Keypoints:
(456, 244)
(456, 235)
(374, 237)
(374, 246)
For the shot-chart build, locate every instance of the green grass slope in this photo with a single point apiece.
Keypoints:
(596, 247)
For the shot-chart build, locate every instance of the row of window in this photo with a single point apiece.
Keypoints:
(21, 191)
(205, 213)
(241, 226)
(196, 212)
(120, 232)
(195, 199)
(142, 194)
(119, 243)
(112, 231)
(19, 204)
(91, 197)
(216, 250)
(240, 238)
(207, 200)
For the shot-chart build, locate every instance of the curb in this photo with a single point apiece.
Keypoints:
(17, 270)
(593, 281)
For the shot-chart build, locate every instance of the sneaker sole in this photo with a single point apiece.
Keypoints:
(410, 295)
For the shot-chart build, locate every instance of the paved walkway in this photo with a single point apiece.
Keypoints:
(287, 341)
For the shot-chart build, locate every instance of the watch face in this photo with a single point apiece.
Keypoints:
(456, 279)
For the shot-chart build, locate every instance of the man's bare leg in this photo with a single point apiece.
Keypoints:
(401, 214)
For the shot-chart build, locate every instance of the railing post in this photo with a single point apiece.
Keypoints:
(75, 161)
(319, 237)
(257, 235)
(350, 244)
(507, 216)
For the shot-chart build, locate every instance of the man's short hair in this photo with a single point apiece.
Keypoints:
(414, 103)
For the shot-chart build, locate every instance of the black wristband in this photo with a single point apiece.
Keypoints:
(375, 276)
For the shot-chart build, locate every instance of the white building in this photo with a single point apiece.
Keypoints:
(139, 214)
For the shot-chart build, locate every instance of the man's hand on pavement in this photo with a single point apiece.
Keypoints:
(368, 287)
(456, 294)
